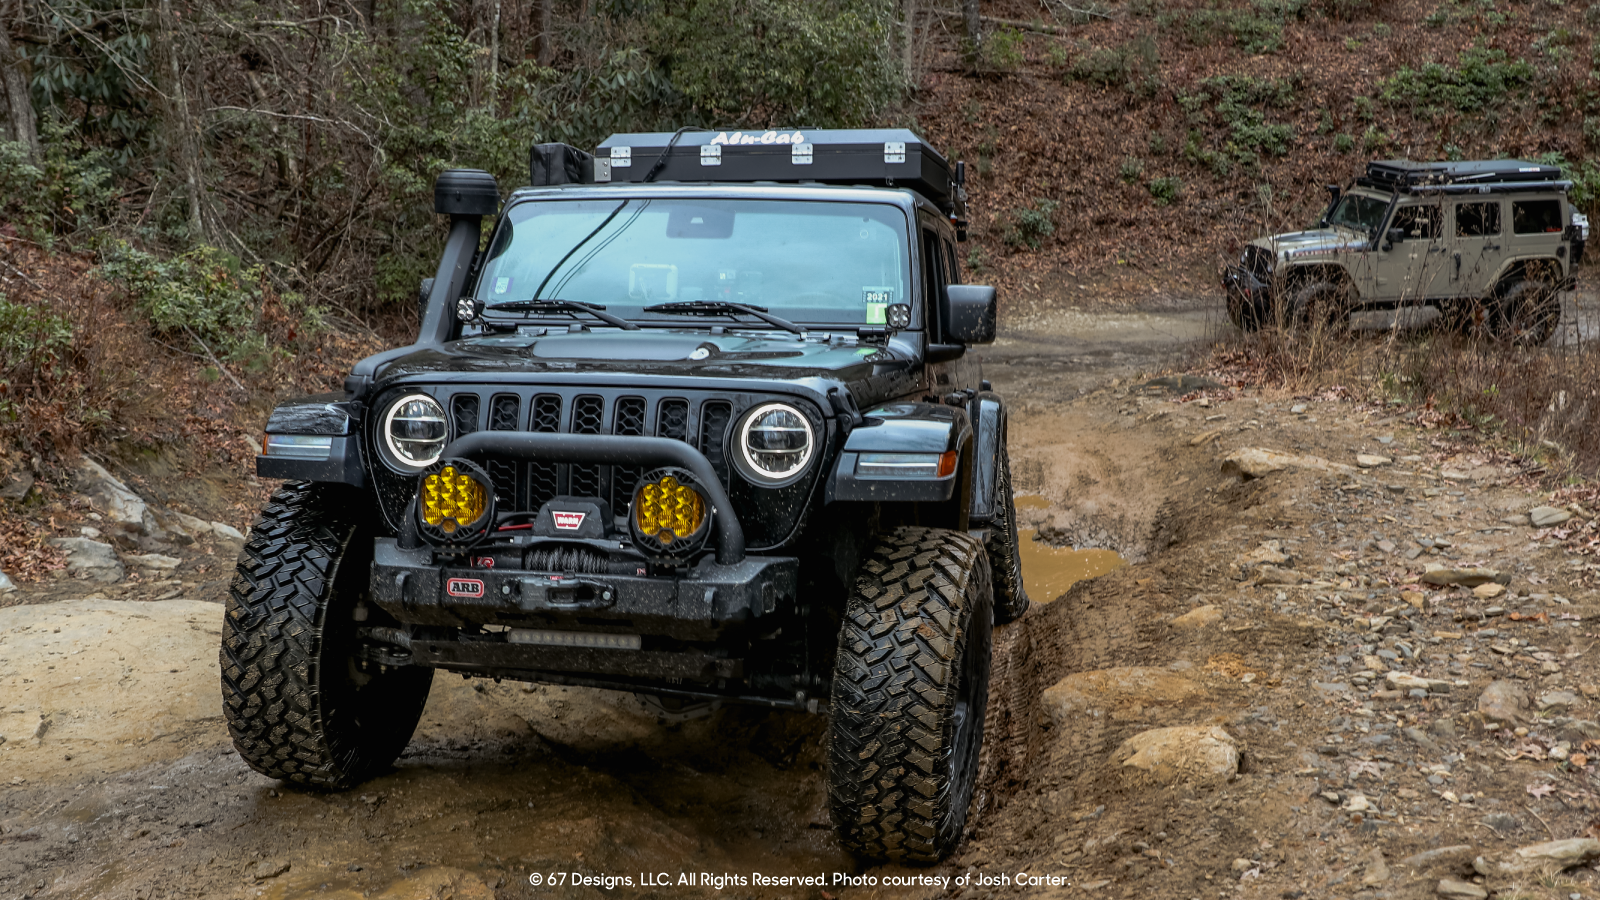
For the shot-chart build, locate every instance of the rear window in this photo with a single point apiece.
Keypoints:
(1536, 216)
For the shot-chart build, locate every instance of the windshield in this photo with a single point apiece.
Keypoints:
(807, 261)
(1358, 212)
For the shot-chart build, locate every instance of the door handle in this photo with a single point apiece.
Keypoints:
(1457, 275)
(1435, 249)
(1491, 246)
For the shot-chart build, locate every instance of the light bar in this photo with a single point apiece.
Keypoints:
(587, 640)
(906, 465)
(296, 446)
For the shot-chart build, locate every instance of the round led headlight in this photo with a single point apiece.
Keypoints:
(455, 503)
(670, 518)
(774, 443)
(415, 431)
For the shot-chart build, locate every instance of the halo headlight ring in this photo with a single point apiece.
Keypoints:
(773, 444)
(414, 432)
(670, 517)
(455, 503)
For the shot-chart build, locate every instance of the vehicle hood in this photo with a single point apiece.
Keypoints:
(649, 351)
(1319, 239)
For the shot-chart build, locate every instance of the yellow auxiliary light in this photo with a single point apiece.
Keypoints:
(669, 514)
(455, 502)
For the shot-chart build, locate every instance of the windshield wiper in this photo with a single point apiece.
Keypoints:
(723, 308)
(567, 306)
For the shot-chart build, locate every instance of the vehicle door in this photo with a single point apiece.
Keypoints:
(1536, 226)
(1413, 269)
(1479, 246)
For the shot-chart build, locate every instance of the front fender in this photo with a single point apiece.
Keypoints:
(927, 429)
(322, 416)
(989, 424)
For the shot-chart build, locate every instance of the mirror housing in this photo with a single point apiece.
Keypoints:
(1393, 236)
(971, 312)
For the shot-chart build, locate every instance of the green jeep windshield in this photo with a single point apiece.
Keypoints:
(817, 262)
(1358, 212)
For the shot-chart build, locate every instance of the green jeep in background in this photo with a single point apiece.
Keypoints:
(1490, 243)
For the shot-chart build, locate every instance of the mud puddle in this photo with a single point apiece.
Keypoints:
(1049, 571)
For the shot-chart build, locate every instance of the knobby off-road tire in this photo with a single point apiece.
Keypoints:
(296, 700)
(1003, 547)
(1526, 313)
(1322, 306)
(910, 686)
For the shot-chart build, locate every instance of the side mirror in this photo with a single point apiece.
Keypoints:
(972, 310)
(1393, 236)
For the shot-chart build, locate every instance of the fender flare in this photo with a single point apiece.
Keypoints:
(989, 421)
(904, 427)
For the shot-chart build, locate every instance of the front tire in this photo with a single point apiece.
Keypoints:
(1323, 306)
(300, 703)
(910, 688)
(1004, 549)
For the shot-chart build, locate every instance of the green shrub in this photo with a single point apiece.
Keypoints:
(68, 191)
(1591, 131)
(1165, 190)
(1482, 77)
(1122, 66)
(33, 348)
(1343, 143)
(1004, 49)
(1030, 225)
(1255, 29)
(202, 296)
(1132, 169)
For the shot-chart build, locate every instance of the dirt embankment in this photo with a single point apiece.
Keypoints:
(1284, 622)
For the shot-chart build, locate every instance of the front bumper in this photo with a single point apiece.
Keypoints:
(700, 605)
(1243, 284)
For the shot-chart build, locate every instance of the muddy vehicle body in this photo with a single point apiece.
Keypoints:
(700, 423)
(1491, 244)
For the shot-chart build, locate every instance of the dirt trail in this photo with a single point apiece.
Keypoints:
(117, 778)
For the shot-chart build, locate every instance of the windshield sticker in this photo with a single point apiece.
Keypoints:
(502, 284)
(770, 137)
(880, 295)
(877, 314)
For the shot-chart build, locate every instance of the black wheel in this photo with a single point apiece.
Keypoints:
(1526, 313)
(299, 703)
(1468, 317)
(1005, 557)
(910, 686)
(1247, 315)
(1322, 305)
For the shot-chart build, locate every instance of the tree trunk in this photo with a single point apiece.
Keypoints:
(16, 106)
(494, 56)
(544, 46)
(969, 10)
(182, 136)
(910, 49)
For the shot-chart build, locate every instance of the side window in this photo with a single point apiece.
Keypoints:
(933, 280)
(1419, 221)
(953, 263)
(1477, 219)
(1536, 216)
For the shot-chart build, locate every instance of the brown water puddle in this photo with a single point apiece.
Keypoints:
(1049, 571)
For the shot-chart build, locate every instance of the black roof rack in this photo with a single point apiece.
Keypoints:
(1405, 174)
(882, 157)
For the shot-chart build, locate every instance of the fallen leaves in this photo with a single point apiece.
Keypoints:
(1541, 790)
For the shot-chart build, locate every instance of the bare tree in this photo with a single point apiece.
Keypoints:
(16, 107)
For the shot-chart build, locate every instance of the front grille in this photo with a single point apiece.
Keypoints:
(1258, 262)
(703, 424)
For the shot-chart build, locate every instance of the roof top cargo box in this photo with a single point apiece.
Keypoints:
(1400, 173)
(870, 157)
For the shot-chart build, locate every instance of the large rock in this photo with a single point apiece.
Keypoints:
(1199, 617)
(1453, 889)
(6, 586)
(90, 559)
(1551, 856)
(1503, 704)
(1180, 753)
(1102, 690)
(111, 496)
(1254, 462)
(1446, 575)
(1547, 516)
(1454, 858)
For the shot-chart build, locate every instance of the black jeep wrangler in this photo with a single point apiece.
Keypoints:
(700, 424)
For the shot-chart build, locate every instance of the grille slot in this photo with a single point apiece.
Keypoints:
(464, 411)
(629, 421)
(544, 478)
(588, 415)
(504, 410)
(672, 419)
(714, 418)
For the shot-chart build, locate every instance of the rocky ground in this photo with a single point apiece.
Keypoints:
(1349, 657)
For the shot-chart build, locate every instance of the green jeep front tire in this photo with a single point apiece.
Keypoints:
(300, 703)
(910, 687)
